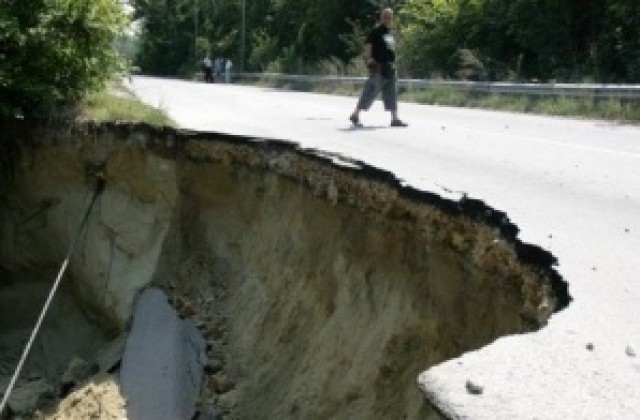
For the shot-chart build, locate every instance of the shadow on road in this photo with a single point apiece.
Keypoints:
(364, 128)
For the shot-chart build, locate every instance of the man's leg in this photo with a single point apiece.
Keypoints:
(371, 88)
(390, 98)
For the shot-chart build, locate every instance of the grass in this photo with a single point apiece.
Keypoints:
(605, 109)
(108, 106)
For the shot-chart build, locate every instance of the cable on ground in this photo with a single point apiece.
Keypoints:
(5, 399)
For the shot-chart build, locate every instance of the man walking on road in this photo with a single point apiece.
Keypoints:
(380, 58)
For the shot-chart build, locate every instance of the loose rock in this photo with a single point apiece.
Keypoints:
(213, 366)
(474, 389)
(26, 397)
(222, 384)
(76, 372)
(100, 399)
(110, 355)
(228, 401)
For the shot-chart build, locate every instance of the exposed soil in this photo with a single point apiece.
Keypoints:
(98, 399)
(323, 290)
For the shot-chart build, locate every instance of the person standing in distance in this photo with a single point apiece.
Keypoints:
(227, 70)
(206, 68)
(380, 57)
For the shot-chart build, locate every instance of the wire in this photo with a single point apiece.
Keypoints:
(5, 399)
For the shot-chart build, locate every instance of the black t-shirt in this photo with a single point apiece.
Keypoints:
(382, 44)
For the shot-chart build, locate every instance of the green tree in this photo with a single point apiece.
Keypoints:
(568, 40)
(429, 36)
(619, 42)
(564, 40)
(55, 51)
(168, 37)
(294, 33)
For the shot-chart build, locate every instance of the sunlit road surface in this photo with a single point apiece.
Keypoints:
(571, 186)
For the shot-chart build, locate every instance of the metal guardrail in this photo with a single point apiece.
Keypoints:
(612, 91)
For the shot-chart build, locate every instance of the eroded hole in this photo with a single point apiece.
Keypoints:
(322, 292)
(319, 311)
(63, 351)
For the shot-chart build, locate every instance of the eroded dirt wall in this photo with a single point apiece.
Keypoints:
(322, 285)
(326, 311)
(45, 201)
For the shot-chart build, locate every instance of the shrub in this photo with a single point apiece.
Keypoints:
(53, 52)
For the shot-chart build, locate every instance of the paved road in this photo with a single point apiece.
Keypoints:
(572, 186)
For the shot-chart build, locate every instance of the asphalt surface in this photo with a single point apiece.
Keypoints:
(571, 186)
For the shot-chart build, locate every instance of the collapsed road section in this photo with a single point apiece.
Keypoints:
(321, 285)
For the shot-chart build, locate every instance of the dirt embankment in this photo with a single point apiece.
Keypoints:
(323, 290)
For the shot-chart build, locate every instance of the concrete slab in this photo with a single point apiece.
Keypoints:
(163, 362)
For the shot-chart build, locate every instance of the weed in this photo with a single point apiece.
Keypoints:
(108, 106)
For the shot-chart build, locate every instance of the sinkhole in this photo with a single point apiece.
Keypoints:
(322, 286)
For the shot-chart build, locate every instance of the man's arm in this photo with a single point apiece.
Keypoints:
(367, 54)
(368, 58)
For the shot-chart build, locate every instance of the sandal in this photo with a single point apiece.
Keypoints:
(355, 120)
(398, 123)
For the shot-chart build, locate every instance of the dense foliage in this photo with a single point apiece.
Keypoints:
(568, 40)
(288, 33)
(564, 40)
(54, 51)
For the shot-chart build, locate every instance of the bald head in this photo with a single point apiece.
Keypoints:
(386, 17)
